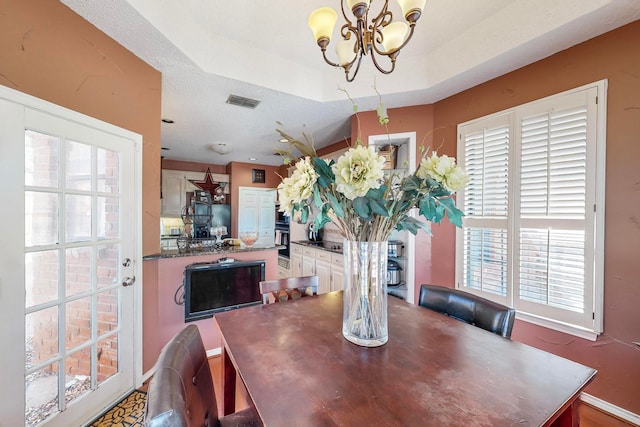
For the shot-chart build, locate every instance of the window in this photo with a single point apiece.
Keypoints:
(534, 209)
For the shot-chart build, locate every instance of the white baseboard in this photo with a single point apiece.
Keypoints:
(610, 408)
(147, 375)
(210, 353)
(214, 352)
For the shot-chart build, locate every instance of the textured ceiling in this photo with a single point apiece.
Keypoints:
(264, 50)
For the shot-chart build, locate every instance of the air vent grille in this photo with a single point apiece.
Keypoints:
(242, 101)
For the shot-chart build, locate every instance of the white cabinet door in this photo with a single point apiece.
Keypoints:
(323, 271)
(296, 265)
(173, 197)
(308, 266)
(337, 279)
(337, 272)
(257, 212)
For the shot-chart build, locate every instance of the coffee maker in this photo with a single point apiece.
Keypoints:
(313, 234)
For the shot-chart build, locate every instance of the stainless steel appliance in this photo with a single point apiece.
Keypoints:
(393, 273)
(313, 234)
(395, 248)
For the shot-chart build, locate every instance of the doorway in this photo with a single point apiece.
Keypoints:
(69, 263)
(256, 212)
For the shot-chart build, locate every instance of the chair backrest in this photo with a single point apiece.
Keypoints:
(181, 390)
(469, 308)
(289, 288)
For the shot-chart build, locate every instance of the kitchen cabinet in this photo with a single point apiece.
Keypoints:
(337, 272)
(307, 261)
(176, 184)
(295, 255)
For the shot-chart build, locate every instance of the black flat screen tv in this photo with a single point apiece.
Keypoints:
(213, 287)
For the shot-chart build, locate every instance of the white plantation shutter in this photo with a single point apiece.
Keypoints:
(485, 203)
(532, 229)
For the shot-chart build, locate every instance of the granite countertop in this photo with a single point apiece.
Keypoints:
(326, 245)
(223, 250)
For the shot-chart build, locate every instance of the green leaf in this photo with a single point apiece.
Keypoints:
(321, 219)
(378, 207)
(325, 174)
(413, 225)
(304, 213)
(362, 208)
(316, 196)
(427, 208)
(377, 193)
(453, 213)
(335, 205)
(410, 183)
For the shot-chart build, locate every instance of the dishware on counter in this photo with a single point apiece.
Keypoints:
(248, 238)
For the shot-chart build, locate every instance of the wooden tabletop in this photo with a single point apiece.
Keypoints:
(300, 371)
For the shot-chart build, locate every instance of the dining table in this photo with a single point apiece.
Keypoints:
(434, 370)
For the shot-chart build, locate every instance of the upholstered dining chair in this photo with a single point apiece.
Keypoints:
(280, 290)
(469, 308)
(181, 392)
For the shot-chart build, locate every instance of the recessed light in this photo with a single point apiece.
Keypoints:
(253, 159)
(167, 121)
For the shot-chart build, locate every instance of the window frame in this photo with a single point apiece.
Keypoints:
(595, 102)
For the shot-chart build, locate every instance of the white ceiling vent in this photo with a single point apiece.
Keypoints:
(241, 101)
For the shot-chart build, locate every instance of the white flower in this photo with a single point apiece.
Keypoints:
(298, 187)
(357, 171)
(456, 179)
(444, 170)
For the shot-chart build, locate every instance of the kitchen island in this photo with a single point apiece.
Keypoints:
(163, 275)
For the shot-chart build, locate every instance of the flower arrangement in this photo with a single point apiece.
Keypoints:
(356, 195)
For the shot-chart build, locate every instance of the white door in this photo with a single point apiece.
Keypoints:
(69, 182)
(257, 212)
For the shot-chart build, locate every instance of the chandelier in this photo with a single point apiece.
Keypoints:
(378, 37)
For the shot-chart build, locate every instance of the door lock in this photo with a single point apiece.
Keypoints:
(128, 281)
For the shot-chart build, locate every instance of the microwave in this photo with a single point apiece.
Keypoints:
(281, 218)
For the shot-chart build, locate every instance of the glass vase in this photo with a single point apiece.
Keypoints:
(364, 320)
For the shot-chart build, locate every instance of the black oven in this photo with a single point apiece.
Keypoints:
(282, 238)
(281, 218)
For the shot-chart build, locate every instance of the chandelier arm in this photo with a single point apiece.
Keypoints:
(348, 67)
(374, 44)
(326, 59)
(392, 57)
(344, 14)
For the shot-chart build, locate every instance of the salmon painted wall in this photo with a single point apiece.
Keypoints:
(169, 316)
(180, 165)
(241, 176)
(613, 56)
(429, 249)
(48, 51)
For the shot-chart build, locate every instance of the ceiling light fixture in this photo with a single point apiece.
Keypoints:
(221, 148)
(379, 37)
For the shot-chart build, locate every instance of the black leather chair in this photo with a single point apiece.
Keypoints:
(468, 308)
(181, 392)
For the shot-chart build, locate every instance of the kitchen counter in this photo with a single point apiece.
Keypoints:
(224, 250)
(328, 246)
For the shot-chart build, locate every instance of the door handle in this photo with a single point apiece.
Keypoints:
(128, 281)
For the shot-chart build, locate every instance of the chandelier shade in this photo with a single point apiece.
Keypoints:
(379, 37)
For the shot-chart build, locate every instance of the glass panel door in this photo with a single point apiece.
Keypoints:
(75, 315)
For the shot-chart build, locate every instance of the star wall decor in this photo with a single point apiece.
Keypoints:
(208, 185)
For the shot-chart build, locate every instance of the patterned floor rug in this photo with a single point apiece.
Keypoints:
(129, 412)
